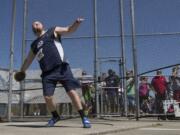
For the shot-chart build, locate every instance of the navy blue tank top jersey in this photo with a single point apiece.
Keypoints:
(48, 50)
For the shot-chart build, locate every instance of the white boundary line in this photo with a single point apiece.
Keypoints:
(160, 129)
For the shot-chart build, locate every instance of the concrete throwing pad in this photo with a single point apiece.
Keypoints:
(70, 127)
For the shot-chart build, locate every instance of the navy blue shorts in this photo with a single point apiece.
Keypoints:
(61, 74)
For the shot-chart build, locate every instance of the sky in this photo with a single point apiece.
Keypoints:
(151, 16)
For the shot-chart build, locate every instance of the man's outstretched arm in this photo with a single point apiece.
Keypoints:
(69, 29)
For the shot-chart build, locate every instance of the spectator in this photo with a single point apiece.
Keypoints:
(174, 82)
(151, 99)
(103, 101)
(130, 91)
(36, 110)
(112, 84)
(88, 91)
(103, 77)
(65, 108)
(159, 84)
(144, 93)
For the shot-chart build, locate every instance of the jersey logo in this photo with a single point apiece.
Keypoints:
(40, 43)
(40, 54)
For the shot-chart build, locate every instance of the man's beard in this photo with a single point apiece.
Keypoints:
(37, 31)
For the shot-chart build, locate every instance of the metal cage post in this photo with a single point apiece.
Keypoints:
(134, 52)
(96, 58)
(123, 55)
(11, 66)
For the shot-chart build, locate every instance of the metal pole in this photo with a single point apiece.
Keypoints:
(120, 95)
(120, 84)
(96, 58)
(11, 66)
(134, 59)
(100, 89)
(123, 56)
(22, 84)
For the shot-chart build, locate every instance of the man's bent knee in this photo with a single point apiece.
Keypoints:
(48, 98)
(71, 92)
